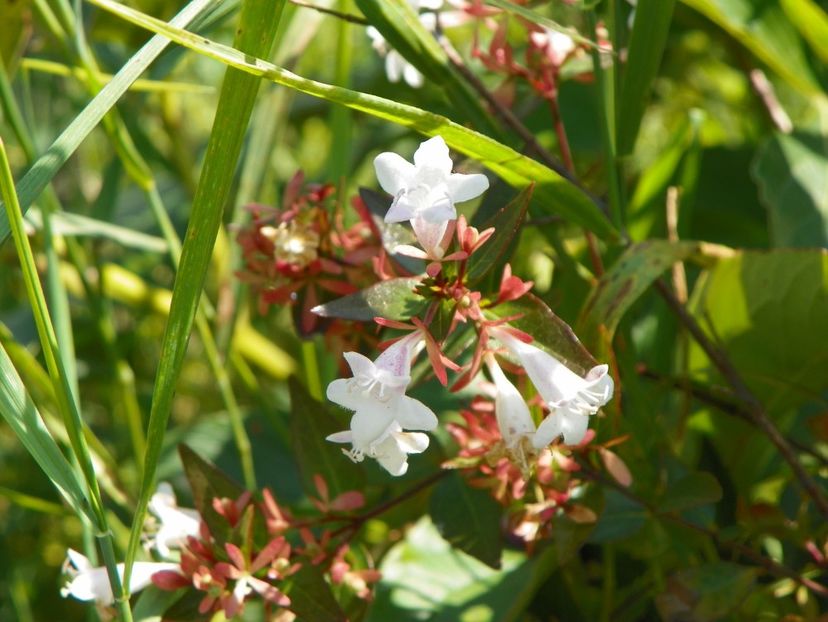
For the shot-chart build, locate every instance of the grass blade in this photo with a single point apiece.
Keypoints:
(649, 36)
(255, 36)
(551, 190)
(47, 165)
(812, 22)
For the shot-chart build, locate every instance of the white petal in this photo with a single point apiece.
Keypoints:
(511, 411)
(345, 436)
(79, 561)
(430, 4)
(574, 427)
(412, 442)
(412, 75)
(548, 430)
(414, 415)
(434, 154)
(394, 64)
(339, 393)
(439, 208)
(370, 424)
(393, 172)
(402, 208)
(91, 584)
(464, 187)
(142, 573)
(395, 461)
(396, 359)
(360, 364)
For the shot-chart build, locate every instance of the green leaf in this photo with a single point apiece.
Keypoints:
(497, 249)
(548, 330)
(394, 299)
(153, 603)
(791, 171)
(311, 597)
(47, 165)
(15, 28)
(424, 578)
(621, 519)
(689, 492)
(22, 417)
(552, 191)
(622, 285)
(812, 22)
(208, 482)
(706, 593)
(310, 423)
(255, 35)
(469, 518)
(647, 42)
(764, 29)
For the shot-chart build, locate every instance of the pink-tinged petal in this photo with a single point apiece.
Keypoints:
(170, 580)
(267, 554)
(412, 414)
(235, 555)
(268, 592)
(393, 172)
(434, 154)
(465, 187)
(430, 235)
(340, 437)
(347, 501)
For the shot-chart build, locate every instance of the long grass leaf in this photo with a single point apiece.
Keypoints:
(552, 191)
(255, 35)
(647, 41)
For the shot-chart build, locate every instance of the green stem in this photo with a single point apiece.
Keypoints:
(310, 363)
(57, 372)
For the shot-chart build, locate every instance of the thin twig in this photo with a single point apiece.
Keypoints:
(347, 17)
(753, 407)
(722, 400)
(768, 564)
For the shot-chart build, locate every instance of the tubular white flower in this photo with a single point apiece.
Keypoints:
(176, 523)
(382, 410)
(87, 582)
(570, 397)
(425, 192)
(511, 411)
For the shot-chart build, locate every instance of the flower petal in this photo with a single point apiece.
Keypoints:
(346, 436)
(393, 172)
(412, 414)
(574, 427)
(412, 442)
(434, 154)
(548, 430)
(464, 187)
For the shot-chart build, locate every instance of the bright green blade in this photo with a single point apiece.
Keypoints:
(552, 191)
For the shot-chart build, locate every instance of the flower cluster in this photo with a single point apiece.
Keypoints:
(303, 254)
(248, 550)
(387, 425)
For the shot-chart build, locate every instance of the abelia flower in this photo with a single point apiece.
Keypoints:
(425, 192)
(513, 418)
(176, 523)
(88, 582)
(570, 397)
(376, 394)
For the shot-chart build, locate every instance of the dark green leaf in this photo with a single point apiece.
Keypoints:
(310, 423)
(792, 173)
(620, 519)
(689, 492)
(548, 330)
(310, 596)
(207, 483)
(153, 603)
(647, 42)
(499, 247)
(394, 300)
(469, 518)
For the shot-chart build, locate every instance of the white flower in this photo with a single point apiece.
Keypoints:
(376, 394)
(425, 192)
(176, 523)
(390, 448)
(396, 66)
(87, 582)
(513, 419)
(556, 45)
(570, 397)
